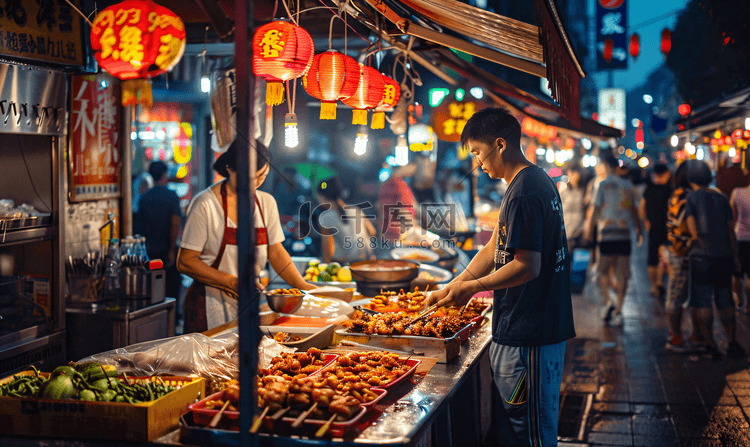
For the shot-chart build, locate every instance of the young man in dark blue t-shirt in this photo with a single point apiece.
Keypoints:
(533, 314)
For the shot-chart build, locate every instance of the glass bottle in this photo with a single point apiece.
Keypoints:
(112, 274)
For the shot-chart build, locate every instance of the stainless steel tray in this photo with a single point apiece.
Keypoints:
(443, 349)
(19, 223)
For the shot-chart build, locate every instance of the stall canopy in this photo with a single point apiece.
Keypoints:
(543, 51)
(735, 107)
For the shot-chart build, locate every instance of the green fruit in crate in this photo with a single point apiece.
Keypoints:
(333, 268)
(67, 370)
(325, 277)
(108, 395)
(100, 385)
(87, 395)
(313, 263)
(60, 387)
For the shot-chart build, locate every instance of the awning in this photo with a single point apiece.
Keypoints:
(543, 51)
(721, 112)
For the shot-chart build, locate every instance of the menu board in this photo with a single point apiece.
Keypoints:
(43, 30)
(94, 147)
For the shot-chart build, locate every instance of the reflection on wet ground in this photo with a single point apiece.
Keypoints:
(643, 395)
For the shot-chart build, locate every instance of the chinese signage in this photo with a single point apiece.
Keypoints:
(449, 118)
(612, 24)
(612, 107)
(44, 30)
(94, 149)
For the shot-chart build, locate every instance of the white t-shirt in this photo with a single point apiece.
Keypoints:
(204, 232)
(741, 200)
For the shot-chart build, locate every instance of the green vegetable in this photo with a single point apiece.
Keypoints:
(333, 268)
(120, 398)
(60, 387)
(67, 370)
(325, 276)
(100, 385)
(108, 395)
(87, 395)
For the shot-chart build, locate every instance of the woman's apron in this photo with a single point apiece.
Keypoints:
(195, 302)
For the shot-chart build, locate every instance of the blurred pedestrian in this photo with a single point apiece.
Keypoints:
(574, 211)
(345, 229)
(678, 236)
(709, 219)
(740, 202)
(613, 212)
(653, 211)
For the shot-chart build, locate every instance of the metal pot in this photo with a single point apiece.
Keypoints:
(381, 271)
(135, 282)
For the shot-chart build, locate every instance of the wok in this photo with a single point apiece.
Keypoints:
(384, 271)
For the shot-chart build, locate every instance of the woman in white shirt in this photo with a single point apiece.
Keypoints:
(208, 251)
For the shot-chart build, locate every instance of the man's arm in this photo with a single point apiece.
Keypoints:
(525, 266)
(483, 262)
(642, 214)
(173, 232)
(636, 218)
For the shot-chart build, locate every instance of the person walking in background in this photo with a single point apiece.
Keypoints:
(653, 211)
(574, 209)
(740, 203)
(612, 213)
(711, 259)
(678, 236)
(159, 220)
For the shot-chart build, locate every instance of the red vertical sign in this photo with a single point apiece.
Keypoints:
(94, 149)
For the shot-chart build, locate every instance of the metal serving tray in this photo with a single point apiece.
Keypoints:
(8, 224)
(444, 349)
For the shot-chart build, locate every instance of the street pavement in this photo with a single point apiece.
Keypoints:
(621, 387)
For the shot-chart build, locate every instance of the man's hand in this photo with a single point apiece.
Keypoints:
(457, 292)
(640, 239)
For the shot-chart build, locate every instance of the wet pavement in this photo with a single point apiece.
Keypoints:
(623, 388)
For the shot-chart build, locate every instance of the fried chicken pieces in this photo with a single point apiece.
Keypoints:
(397, 324)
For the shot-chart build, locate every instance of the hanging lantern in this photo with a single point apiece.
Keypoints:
(391, 94)
(282, 51)
(368, 94)
(684, 109)
(746, 135)
(727, 140)
(608, 45)
(137, 39)
(666, 41)
(737, 134)
(635, 45)
(332, 77)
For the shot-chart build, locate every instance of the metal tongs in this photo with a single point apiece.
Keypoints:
(425, 313)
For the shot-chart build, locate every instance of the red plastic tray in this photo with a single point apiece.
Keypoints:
(413, 365)
(204, 416)
(328, 360)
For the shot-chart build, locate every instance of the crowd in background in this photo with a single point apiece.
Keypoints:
(698, 245)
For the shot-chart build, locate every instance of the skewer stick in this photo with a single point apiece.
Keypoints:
(279, 413)
(465, 306)
(322, 430)
(217, 418)
(259, 420)
(305, 414)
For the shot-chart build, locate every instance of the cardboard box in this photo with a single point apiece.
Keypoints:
(99, 420)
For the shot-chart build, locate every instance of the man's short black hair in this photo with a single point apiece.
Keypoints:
(157, 169)
(489, 124)
(606, 156)
(661, 168)
(699, 172)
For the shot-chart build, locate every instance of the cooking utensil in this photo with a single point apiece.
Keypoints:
(425, 313)
(465, 306)
(384, 271)
(284, 303)
(217, 418)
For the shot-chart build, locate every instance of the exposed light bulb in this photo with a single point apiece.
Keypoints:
(675, 140)
(402, 151)
(360, 144)
(291, 133)
(205, 84)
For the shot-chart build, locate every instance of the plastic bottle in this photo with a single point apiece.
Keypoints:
(142, 253)
(112, 273)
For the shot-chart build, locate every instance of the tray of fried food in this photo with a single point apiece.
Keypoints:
(292, 364)
(398, 302)
(361, 370)
(391, 324)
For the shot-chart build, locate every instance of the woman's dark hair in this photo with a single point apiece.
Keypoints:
(699, 172)
(331, 189)
(229, 159)
(680, 177)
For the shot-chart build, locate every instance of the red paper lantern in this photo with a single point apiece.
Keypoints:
(737, 134)
(137, 39)
(391, 94)
(746, 135)
(332, 77)
(608, 45)
(282, 51)
(368, 94)
(635, 45)
(666, 41)
(684, 109)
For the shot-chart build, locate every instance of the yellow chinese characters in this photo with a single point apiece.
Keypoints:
(272, 45)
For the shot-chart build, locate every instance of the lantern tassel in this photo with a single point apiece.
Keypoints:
(378, 120)
(129, 93)
(328, 110)
(274, 93)
(359, 117)
(146, 97)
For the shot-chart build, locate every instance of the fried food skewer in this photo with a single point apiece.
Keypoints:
(324, 429)
(259, 420)
(304, 415)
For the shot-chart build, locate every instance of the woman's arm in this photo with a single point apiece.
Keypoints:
(283, 265)
(189, 263)
(328, 247)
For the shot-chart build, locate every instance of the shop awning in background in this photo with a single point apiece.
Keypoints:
(735, 107)
(543, 51)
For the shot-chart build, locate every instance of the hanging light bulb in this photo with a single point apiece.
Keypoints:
(402, 151)
(205, 84)
(675, 140)
(360, 144)
(291, 133)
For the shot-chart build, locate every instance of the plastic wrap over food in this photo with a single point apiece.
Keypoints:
(213, 358)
